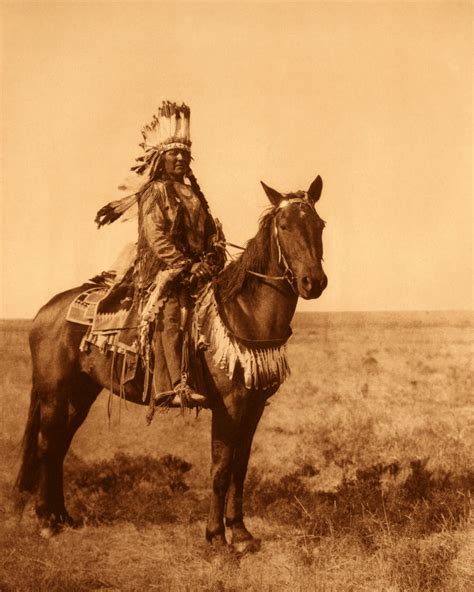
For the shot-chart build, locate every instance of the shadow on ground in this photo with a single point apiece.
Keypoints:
(382, 499)
(137, 489)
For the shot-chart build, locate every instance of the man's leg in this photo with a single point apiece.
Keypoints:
(169, 339)
(172, 338)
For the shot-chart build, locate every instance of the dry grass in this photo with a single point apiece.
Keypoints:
(360, 477)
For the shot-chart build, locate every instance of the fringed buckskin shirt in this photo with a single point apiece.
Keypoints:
(174, 231)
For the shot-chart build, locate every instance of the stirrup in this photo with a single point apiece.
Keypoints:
(185, 396)
(164, 398)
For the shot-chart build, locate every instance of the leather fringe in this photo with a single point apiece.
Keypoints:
(263, 367)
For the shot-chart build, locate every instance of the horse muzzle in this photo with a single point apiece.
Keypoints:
(310, 287)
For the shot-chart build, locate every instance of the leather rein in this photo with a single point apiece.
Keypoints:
(288, 274)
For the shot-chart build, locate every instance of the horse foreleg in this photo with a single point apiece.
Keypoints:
(224, 431)
(241, 539)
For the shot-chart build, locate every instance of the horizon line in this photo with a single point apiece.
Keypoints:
(345, 311)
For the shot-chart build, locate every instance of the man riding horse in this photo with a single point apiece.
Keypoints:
(180, 247)
(239, 329)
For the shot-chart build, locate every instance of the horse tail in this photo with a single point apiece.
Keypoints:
(28, 474)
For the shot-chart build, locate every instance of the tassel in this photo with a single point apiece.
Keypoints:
(151, 411)
(111, 389)
(122, 386)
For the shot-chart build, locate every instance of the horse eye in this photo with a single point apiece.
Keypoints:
(283, 227)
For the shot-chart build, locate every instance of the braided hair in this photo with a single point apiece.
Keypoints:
(197, 190)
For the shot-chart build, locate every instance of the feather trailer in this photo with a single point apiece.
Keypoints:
(115, 209)
(134, 184)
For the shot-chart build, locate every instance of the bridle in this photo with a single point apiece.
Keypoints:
(288, 274)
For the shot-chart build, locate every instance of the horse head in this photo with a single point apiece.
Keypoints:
(298, 232)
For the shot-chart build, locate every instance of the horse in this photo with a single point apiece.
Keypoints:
(257, 295)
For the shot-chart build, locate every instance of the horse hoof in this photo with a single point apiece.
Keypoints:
(65, 520)
(47, 532)
(54, 523)
(218, 540)
(247, 546)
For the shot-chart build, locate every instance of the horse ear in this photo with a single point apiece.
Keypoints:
(314, 192)
(273, 195)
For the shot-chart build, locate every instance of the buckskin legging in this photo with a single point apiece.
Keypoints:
(167, 346)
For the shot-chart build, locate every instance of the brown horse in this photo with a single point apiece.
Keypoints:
(256, 296)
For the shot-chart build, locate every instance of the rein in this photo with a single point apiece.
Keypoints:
(288, 274)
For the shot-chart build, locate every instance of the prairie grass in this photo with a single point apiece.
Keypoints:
(360, 479)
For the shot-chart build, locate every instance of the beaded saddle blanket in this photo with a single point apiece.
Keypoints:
(111, 314)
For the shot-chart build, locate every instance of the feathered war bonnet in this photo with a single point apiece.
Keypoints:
(169, 129)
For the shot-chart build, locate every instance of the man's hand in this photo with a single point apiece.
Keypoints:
(201, 271)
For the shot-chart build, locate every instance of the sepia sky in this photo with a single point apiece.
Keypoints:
(375, 97)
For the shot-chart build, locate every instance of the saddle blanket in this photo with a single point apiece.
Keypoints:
(83, 308)
(110, 316)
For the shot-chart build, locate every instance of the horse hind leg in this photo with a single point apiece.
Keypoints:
(50, 509)
(61, 414)
(27, 478)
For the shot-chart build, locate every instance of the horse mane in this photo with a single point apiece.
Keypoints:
(256, 257)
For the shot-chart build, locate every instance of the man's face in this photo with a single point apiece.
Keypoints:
(176, 163)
